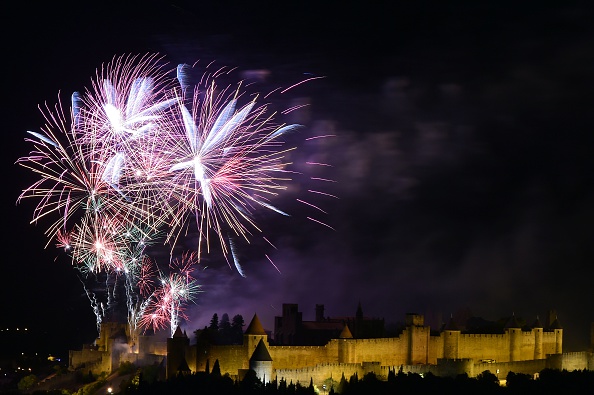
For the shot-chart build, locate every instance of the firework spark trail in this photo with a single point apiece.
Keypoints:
(95, 305)
(138, 158)
(228, 155)
(166, 307)
(272, 263)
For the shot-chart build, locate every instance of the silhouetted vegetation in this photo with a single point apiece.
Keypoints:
(223, 331)
(145, 382)
(549, 382)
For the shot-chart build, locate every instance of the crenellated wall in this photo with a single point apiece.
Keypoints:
(89, 359)
(231, 358)
(571, 361)
(113, 347)
(484, 346)
(292, 357)
(319, 373)
(414, 346)
(549, 343)
(415, 350)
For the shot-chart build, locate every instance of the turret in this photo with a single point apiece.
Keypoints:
(537, 329)
(253, 334)
(514, 332)
(176, 353)
(261, 362)
(345, 345)
(451, 340)
(418, 339)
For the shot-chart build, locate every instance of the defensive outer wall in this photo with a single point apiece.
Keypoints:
(415, 350)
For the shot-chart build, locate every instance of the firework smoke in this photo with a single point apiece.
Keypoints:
(145, 156)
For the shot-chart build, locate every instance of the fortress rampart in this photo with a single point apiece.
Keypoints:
(415, 350)
(571, 361)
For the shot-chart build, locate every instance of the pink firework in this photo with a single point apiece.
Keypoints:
(167, 303)
(145, 155)
(227, 160)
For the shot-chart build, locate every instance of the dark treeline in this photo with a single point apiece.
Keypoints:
(549, 382)
(223, 331)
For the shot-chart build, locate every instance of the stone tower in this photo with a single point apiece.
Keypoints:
(261, 362)
(451, 340)
(514, 331)
(176, 353)
(418, 339)
(556, 327)
(253, 335)
(537, 329)
(346, 352)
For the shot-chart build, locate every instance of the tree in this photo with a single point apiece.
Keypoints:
(27, 382)
(354, 379)
(216, 369)
(329, 384)
(237, 325)
(213, 329)
(342, 385)
(391, 375)
(519, 382)
(488, 380)
(250, 383)
(214, 323)
(225, 330)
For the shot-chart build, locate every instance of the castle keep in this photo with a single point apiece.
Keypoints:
(416, 349)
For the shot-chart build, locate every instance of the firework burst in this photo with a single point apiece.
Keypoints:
(142, 156)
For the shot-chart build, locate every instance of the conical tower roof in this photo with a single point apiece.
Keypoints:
(178, 333)
(451, 325)
(556, 324)
(346, 333)
(261, 353)
(255, 327)
(512, 322)
(537, 323)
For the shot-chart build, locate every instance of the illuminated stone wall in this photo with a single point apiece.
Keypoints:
(572, 361)
(87, 358)
(484, 346)
(293, 357)
(414, 346)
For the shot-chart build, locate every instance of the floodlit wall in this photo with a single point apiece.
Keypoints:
(414, 350)
(294, 357)
(231, 358)
(89, 359)
(484, 346)
(572, 361)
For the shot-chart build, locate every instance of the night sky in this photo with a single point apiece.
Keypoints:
(463, 156)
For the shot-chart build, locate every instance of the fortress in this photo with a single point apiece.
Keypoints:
(445, 352)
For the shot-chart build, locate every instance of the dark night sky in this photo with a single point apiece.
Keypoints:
(463, 155)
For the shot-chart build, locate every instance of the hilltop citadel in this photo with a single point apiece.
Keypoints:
(304, 351)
